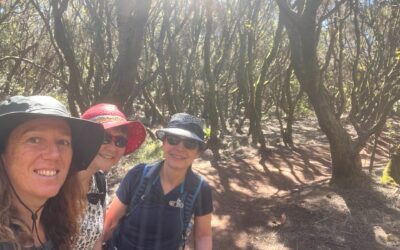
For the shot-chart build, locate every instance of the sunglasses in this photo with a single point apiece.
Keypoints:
(119, 141)
(94, 198)
(187, 143)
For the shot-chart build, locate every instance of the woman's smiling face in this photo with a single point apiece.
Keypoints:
(178, 156)
(109, 154)
(37, 158)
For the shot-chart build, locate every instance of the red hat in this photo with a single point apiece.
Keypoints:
(110, 117)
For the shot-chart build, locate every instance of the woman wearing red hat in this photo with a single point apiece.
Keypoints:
(121, 137)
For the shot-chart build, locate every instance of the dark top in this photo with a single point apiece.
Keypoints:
(154, 223)
(9, 246)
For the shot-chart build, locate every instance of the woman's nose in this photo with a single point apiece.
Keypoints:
(52, 151)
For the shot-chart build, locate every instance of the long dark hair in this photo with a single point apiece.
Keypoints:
(6, 233)
(60, 215)
(62, 212)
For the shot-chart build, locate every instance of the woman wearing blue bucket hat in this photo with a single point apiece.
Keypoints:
(42, 147)
(155, 203)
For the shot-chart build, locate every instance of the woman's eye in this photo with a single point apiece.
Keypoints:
(34, 140)
(64, 142)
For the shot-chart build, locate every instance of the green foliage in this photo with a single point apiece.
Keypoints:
(387, 177)
(62, 97)
(248, 26)
(207, 133)
(150, 151)
(391, 173)
(303, 108)
(391, 129)
(396, 107)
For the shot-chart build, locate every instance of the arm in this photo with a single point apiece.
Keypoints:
(116, 210)
(203, 232)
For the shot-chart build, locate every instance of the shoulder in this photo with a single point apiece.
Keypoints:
(195, 179)
(135, 172)
(198, 186)
(202, 190)
(145, 169)
(137, 169)
(204, 183)
(130, 181)
(205, 189)
(132, 177)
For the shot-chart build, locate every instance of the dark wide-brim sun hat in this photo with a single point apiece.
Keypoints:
(87, 136)
(184, 125)
(110, 116)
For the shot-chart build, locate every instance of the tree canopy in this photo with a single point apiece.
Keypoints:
(233, 63)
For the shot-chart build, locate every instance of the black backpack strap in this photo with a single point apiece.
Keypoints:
(188, 209)
(101, 184)
(149, 174)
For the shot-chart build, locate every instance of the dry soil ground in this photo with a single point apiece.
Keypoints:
(287, 203)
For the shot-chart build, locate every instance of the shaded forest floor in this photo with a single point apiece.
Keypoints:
(287, 203)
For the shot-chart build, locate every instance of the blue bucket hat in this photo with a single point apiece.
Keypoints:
(185, 125)
(87, 136)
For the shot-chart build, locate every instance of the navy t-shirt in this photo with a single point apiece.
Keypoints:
(154, 223)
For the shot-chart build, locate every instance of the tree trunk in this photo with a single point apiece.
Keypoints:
(373, 153)
(155, 111)
(75, 78)
(132, 18)
(256, 102)
(211, 103)
(303, 37)
(287, 136)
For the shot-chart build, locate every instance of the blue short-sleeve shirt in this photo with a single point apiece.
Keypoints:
(155, 223)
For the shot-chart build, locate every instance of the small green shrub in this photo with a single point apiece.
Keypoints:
(386, 176)
(391, 173)
(150, 151)
(207, 133)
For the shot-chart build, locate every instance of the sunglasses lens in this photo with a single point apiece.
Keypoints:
(190, 144)
(121, 141)
(107, 139)
(173, 140)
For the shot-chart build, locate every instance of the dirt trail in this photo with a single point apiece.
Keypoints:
(287, 203)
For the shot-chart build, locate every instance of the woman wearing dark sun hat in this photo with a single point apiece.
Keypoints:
(122, 137)
(42, 147)
(155, 203)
